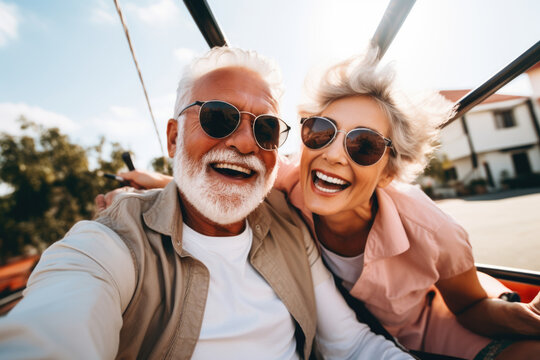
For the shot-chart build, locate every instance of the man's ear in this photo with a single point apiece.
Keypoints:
(172, 135)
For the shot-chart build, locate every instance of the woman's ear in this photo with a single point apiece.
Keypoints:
(385, 179)
(172, 135)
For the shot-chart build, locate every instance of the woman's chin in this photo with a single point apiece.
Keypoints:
(323, 208)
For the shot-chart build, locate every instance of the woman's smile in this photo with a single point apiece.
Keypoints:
(328, 183)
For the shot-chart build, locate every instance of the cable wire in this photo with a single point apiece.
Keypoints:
(140, 74)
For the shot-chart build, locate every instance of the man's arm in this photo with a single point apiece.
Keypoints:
(339, 334)
(72, 306)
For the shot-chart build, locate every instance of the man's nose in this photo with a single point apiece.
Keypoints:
(243, 139)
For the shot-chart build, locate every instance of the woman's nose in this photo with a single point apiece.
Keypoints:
(335, 152)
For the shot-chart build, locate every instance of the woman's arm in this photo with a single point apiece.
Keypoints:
(286, 180)
(146, 180)
(466, 298)
(138, 179)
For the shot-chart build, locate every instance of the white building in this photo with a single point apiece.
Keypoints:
(497, 139)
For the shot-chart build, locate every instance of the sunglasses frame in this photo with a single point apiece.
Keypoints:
(202, 103)
(387, 141)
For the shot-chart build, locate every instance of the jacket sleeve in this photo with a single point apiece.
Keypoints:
(72, 306)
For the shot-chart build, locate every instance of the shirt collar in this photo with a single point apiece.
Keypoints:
(165, 217)
(387, 236)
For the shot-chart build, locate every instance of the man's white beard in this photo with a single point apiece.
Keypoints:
(220, 202)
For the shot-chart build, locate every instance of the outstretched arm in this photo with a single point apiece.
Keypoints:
(466, 298)
(72, 307)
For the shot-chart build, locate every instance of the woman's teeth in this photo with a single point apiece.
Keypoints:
(328, 184)
(330, 179)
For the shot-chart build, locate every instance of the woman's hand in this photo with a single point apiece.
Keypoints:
(145, 180)
(534, 308)
(103, 201)
(466, 298)
(137, 179)
(534, 305)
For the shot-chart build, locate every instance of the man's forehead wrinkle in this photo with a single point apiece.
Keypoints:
(242, 87)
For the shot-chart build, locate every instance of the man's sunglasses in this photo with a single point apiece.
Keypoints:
(220, 119)
(364, 146)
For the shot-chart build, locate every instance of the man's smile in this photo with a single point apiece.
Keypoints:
(232, 170)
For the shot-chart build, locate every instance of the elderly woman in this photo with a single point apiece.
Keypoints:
(388, 244)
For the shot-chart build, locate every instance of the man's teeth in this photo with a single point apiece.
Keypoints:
(329, 179)
(233, 167)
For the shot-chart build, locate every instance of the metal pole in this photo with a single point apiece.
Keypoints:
(207, 24)
(391, 22)
(511, 71)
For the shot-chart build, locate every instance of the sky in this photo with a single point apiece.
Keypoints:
(66, 63)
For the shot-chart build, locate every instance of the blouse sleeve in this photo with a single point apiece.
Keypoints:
(455, 251)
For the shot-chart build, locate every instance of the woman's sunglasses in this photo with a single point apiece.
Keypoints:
(364, 146)
(220, 119)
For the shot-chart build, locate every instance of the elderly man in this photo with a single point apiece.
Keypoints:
(205, 268)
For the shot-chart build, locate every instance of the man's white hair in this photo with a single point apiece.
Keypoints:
(223, 57)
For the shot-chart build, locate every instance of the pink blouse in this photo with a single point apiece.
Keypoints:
(411, 245)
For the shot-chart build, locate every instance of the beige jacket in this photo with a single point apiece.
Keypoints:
(164, 317)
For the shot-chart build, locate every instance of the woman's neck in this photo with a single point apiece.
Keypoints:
(346, 233)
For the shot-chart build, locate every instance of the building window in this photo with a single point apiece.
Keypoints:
(504, 119)
(450, 174)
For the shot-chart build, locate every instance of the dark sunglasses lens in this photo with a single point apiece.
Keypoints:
(365, 147)
(269, 132)
(218, 119)
(317, 132)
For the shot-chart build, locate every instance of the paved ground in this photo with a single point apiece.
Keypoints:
(504, 227)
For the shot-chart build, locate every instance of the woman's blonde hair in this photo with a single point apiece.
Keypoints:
(413, 123)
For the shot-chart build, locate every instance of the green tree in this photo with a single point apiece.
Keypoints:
(435, 169)
(162, 165)
(52, 186)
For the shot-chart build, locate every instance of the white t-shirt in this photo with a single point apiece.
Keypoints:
(243, 317)
(346, 268)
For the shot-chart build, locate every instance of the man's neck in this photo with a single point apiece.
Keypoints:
(201, 224)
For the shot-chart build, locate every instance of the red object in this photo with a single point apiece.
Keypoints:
(14, 275)
(526, 292)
